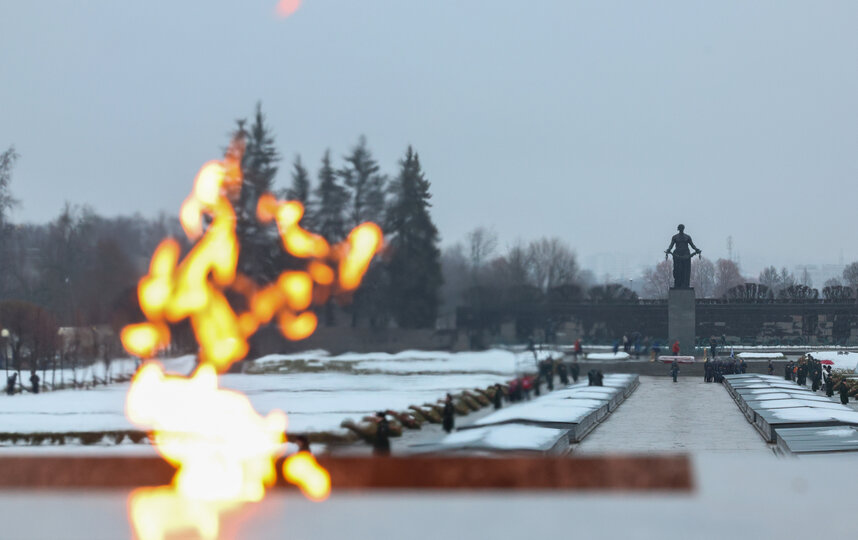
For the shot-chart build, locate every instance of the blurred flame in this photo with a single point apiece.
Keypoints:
(303, 470)
(223, 450)
(286, 8)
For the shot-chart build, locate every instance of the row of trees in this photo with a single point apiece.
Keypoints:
(82, 268)
(402, 285)
(723, 279)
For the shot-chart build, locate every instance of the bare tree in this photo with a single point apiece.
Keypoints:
(454, 267)
(798, 293)
(777, 281)
(553, 263)
(7, 202)
(482, 243)
(727, 276)
(703, 277)
(805, 279)
(770, 278)
(832, 282)
(850, 275)
(657, 280)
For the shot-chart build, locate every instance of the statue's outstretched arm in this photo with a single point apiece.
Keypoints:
(670, 247)
(691, 243)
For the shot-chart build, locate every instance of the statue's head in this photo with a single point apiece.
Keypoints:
(681, 227)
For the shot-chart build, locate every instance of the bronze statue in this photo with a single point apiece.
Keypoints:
(681, 258)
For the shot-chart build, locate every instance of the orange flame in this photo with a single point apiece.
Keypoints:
(303, 470)
(223, 450)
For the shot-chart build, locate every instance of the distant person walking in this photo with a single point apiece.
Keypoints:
(675, 348)
(381, 446)
(577, 349)
(498, 397)
(303, 443)
(674, 369)
(563, 372)
(771, 367)
(844, 392)
(10, 383)
(449, 414)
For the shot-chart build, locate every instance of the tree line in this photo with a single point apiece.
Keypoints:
(81, 269)
(723, 279)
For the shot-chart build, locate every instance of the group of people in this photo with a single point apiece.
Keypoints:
(714, 370)
(12, 380)
(547, 369)
(809, 368)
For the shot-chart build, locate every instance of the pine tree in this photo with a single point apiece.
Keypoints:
(366, 187)
(300, 188)
(328, 217)
(331, 200)
(259, 249)
(415, 263)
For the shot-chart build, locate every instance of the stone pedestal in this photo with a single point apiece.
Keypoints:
(681, 320)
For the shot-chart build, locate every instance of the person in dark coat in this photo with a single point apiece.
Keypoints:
(674, 370)
(743, 366)
(829, 386)
(10, 383)
(844, 392)
(576, 371)
(449, 414)
(788, 371)
(381, 445)
(598, 377)
(549, 373)
(303, 443)
(498, 397)
(34, 381)
(563, 372)
(771, 367)
(590, 377)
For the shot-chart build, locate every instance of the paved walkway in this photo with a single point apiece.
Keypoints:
(687, 416)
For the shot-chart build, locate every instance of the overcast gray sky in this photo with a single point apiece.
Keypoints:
(604, 123)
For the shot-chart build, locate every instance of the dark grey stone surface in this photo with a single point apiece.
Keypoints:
(817, 439)
(682, 320)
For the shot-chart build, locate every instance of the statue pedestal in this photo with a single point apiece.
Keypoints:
(681, 320)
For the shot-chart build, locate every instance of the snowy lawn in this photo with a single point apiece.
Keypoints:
(322, 391)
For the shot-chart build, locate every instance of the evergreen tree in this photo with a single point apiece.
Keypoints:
(331, 200)
(328, 218)
(365, 186)
(259, 249)
(300, 188)
(415, 262)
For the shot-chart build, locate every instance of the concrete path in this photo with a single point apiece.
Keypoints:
(687, 416)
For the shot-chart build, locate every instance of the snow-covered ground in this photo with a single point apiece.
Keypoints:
(316, 390)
